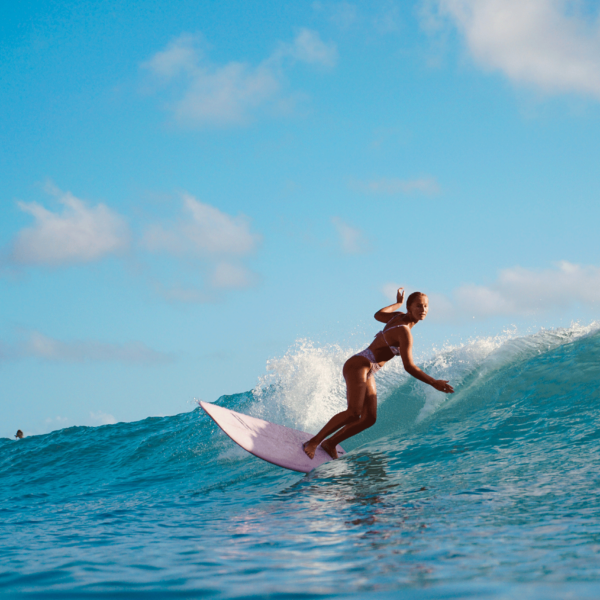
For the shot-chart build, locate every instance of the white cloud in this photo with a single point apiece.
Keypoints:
(342, 14)
(309, 48)
(352, 240)
(78, 234)
(524, 292)
(393, 186)
(95, 419)
(207, 94)
(180, 56)
(547, 43)
(38, 345)
(203, 231)
(219, 241)
(101, 418)
(226, 96)
(231, 276)
(381, 17)
(56, 422)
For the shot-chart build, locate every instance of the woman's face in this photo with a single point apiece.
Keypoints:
(419, 307)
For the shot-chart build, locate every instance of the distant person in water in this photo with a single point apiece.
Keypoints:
(19, 434)
(395, 339)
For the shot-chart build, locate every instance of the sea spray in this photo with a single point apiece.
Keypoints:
(303, 388)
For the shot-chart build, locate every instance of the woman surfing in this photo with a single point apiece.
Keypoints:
(395, 339)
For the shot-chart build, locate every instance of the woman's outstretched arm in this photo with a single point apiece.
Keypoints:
(389, 312)
(405, 336)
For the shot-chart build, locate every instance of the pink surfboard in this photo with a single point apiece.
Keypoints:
(276, 444)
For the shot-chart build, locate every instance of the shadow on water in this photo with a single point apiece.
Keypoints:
(360, 486)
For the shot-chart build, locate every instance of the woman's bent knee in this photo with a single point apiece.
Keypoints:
(348, 416)
(370, 421)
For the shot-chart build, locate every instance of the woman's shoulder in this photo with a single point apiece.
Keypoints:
(399, 331)
(397, 321)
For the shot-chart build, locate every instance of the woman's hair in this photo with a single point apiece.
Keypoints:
(413, 297)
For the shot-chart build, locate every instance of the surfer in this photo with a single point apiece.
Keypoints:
(395, 339)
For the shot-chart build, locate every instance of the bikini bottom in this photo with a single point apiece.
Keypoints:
(375, 366)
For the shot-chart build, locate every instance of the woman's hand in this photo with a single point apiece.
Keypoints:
(387, 313)
(443, 386)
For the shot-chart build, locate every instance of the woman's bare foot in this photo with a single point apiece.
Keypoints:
(329, 448)
(310, 448)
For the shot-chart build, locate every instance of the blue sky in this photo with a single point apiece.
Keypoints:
(187, 189)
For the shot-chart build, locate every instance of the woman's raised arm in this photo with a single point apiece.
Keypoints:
(389, 312)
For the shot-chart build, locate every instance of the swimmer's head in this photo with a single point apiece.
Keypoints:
(417, 305)
(19, 434)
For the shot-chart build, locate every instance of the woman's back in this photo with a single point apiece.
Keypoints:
(387, 342)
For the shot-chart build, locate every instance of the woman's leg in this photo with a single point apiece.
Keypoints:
(355, 374)
(368, 416)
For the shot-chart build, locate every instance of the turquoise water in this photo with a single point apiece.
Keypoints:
(490, 494)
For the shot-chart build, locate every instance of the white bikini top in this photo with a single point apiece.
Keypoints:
(395, 349)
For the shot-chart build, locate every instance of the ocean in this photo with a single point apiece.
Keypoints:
(492, 492)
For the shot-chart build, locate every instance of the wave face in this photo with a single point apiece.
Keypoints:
(492, 492)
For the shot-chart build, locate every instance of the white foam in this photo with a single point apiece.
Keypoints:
(303, 388)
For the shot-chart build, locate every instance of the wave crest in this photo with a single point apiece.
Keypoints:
(304, 387)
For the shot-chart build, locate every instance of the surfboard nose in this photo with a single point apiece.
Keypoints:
(279, 445)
